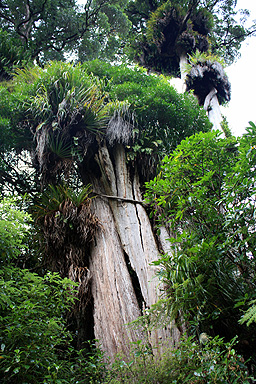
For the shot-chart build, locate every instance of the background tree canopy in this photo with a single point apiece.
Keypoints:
(50, 29)
(99, 29)
(161, 30)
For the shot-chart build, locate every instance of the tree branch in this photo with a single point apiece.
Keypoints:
(30, 16)
(120, 198)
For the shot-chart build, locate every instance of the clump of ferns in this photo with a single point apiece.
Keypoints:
(68, 226)
(65, 138)
(53, 157)
(164, 15)
(56, 106)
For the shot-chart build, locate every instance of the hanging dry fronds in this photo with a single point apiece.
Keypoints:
(82, 276)
(121, 124)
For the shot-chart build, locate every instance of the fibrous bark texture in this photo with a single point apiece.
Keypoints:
(124, 281)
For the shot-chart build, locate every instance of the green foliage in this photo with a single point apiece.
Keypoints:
(35, 344)
(65, 110)
(12, 111)
(58, 146)
(14, 227)
(55, 197)
(48, 30)
(206, 193)
(63, 94)
(31, 324)
(12, 54)
(156, 26)
(163, 117)
(228, 34)
(53, 98)
(201, 58)
(250, 315)
(66, 106)
(215, 362)
(225, 127)
(107, 40)
(15, 140)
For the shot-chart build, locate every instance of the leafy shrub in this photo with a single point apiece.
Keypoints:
(14, 226)
(32, 326)
(163, 116)
(35, 344)
(191, 363)
(206, 193)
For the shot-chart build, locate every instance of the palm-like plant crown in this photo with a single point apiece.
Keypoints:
(66, 111)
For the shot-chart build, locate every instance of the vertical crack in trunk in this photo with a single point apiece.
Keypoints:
(135, 283)
(141, 301)
(138, 217)
(115, 301)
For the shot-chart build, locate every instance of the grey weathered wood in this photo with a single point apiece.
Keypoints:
(208, 99)
(114, 299)
(125, 245)
(214, 113)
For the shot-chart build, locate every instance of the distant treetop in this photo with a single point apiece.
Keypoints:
(162, 30)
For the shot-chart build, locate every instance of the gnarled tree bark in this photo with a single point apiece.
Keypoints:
(124, 281)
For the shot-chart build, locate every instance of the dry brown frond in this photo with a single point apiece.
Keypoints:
(82, 276)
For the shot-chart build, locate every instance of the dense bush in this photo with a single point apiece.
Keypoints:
(32, 326)
(205, 192)
(35, 343)
(214, 362)
(163, 116)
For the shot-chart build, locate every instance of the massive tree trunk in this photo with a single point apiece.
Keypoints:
(124, 281)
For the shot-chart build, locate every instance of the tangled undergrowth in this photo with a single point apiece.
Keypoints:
(213, 362)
